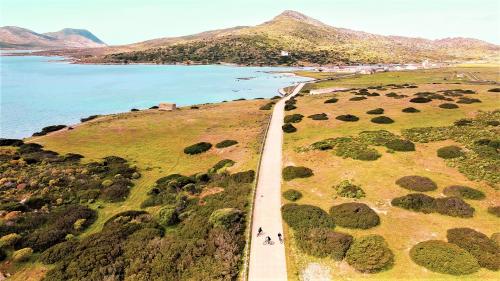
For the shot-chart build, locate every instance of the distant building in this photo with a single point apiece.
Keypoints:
(284, 54)
(167, 106)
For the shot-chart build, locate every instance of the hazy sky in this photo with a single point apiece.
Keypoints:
(128, 21)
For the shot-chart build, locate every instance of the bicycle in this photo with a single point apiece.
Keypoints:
(268, 242)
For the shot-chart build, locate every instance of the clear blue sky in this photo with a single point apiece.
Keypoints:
(128, 21)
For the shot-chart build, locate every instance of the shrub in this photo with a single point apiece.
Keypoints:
(410, 110)
(91, 117)
(9, 240)
(197, 148)
(324, 242)
(291, 172)
(168, 216)
(382, 120)
(400, 145)
(22, 255)
(479, 245)
(10, 142)
(226, 143)
(354, 215)
(349, 190)
(494, 90)
(466, 100)
(225, 217)
(463, 192)
(289, 107)
(58, 252)
(443, 257)
(420, 100)
(3, 254)
(453, 206)
(449, 152)
(417, 202)
(221, 165)
(319, 116)
(494, 210)
(376, 111)
(417, 183)
(332, 100)
(292, 195)
(352, 148)
(370, 254)
(379, 137)
(305, 216)
(293, 118)
(267, 106)
(243, 177)
(347, 118)
(357, 98)
(115, 193)
(49, 129)
(448, 106)
(495, 237)
(288, 128)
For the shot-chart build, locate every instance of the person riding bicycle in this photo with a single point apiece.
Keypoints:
(280, 237)
(268, 239)
(259, 232)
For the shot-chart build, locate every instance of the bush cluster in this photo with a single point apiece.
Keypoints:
(464, 192)
(449, 206)
(379, 137)
(454, 206)
(225, 217)
(410, 110)
(226, 143)
(417, 183)
(448, 106)
(332, 100)
(10, 142)
(293, 118)
(49, 129)
(349, 190)
(197, 148)
(357, 98)
(420, 100)
(91, 117)
(222, 164)
(323, 242)
(267, 106)
(292, 195)
(443, 257)
(288, 128)
(347, 118)
(354, 215)
(417, 202)
(306, 217)
(382, 120)
(370, 254)
(466, 100)
(485, 250)
(449, 152)
(376, 111)
(292, 172)
(352, 148)
(400, 145)
(319, 116)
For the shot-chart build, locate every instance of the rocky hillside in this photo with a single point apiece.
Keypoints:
(21, 38)
(307, 41)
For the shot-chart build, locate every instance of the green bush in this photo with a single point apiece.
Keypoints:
(400, 145)
(464, 192)
(420, 100)
(410, 110)
(9, 240)
(443, 257)
(370, 254)
(267, 106)
(376, 111)
(352, 148)
(349, 190)
(58, 252)
(495, 237)
(289, 107)
(319, 116)
(305, 216)
(293, 118)
(417, 183)
(288, 128)
(453, 206)
(357, 98)
(243, 177)
(225, 217)
(323, 242)
(417, 202)
(466, 100)
(479, 245)
(354, 215)
(222, 164)
(197, 148)
(347, 118)
(22, 255)
(448, 106)
(226, 143)
(494, 90)
(291, 172)
(494, 210)
(292, 195)
(449, 152)
(332, 100)
(379, 137)
(382, 120)
(49, 129)
(11, 142)
(168, 216)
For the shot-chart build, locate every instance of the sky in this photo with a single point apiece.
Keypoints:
(127, 21)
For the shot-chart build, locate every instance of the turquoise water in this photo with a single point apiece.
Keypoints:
(42, 91)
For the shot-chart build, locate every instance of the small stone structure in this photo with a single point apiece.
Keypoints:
(167, 106)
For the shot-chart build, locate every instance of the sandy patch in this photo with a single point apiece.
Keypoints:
(316, 272)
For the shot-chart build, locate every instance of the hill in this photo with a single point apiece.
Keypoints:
(22, 38)
(307, 41)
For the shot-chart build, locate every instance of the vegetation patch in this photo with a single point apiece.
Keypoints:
(449, 152)
(267, 106)
(494, 210)
(292, 195)
(358, 98)
(400, 145)
(464, 192)
(300, 217)
(467, 100)
(410, 110)
(454, 206)
(226, 143)
(225, 217)
(485, 250)
(420, 100)
(354, 215)
(288, 128)
(347, 118)
(323, 242)
(49, 129)
(417, 183)
(376, 111)
(378, 138)
(332, 100)
(349, 190)
(292, 172)
(494, 90)
(91, 117)
(293, 118)
(448, 106)
(352, 148)
(443, 257)
(370, 254)
(197, 148)
(221, 166)
(319, 116)
(382, 120)
(417, 202)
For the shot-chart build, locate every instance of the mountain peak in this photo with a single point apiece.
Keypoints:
(296, 16)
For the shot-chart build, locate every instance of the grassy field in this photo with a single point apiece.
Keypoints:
(401, 228)
(154, 142)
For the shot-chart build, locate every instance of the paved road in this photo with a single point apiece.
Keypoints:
(268, 262)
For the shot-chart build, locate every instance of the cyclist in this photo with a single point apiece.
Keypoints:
(268, 240)
(280, 237)
(259, 232)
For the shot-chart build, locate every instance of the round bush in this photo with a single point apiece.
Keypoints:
(226, 143)
(354, 215)
(410, 110)
(319, 116)
(376, 111)
(289, 107)
(449, 152)
(443, 257)
(347, 118)
(494, 90)
(454, 206)
(400, 145)
(305, 216)
(291, 172)
(288, 128)
(168, 216)
(292, 195)
(225, 217)
(332, 100)
(463, 192)
(494, 210)
(323, 242)
(417, 202)
(448, 106)
(479, 245)
(420, 100)
(349, 190)
(267, 106)
(370, 254)
(22, 255)
(197, 148)
(293, 118)
(357, 98)
(382, 120)
(417, 183)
